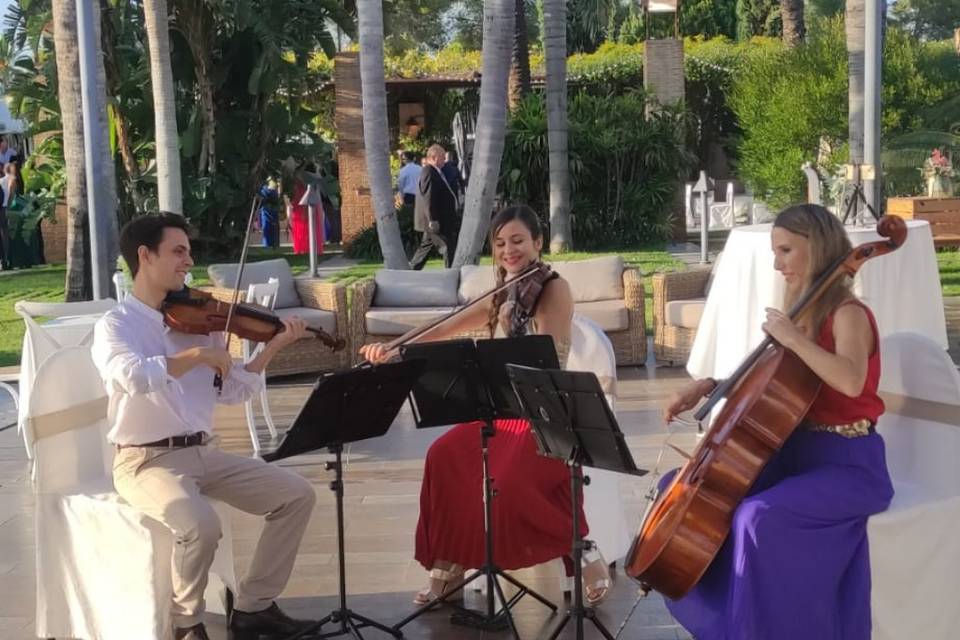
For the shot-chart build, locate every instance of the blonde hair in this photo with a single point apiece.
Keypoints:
(828, 242)
(528, 217)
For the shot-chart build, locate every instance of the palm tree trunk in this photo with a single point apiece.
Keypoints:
(375, 134)
(169, 190)
(520, 63)
(555, 51)
(794, 27)
(78, 285)
(498, 36)
(113, 79)
(195, 20)
(855, 24)
(108, 228)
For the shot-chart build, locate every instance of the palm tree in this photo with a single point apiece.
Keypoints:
(375, 135)
(65, 41)
(498, 36)
(78, 284)
(169, 189)
(855, 24)
(555, 51)
(794, 27)
(520, 63)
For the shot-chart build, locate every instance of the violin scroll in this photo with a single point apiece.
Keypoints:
(894, 228)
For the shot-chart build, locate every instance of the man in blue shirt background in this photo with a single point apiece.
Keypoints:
(407, 179)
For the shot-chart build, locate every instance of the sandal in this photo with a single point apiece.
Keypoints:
(596, 577)
(440, 581)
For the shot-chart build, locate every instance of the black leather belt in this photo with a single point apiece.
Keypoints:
(174, 442)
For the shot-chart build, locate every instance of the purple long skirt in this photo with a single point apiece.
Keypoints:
(795, 565)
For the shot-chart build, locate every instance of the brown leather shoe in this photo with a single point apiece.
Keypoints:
(196, 632)
(269, 622)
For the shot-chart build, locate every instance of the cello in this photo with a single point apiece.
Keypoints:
(767, 398)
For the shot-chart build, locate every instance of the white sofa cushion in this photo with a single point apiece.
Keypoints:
(225, 275)
(475, 280)
(406, 288)
(395, 321)
(594, 279)
(684, 313)
(610, 315)
(316, 318)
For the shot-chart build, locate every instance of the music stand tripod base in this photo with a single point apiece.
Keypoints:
(572, 421)
(347, 407)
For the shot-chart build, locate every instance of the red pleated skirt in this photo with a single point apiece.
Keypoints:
(532, 522)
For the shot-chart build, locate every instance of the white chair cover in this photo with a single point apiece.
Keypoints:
(264, 294)
(590, 350)
(74, 328)
(914, 549)
(103, 568)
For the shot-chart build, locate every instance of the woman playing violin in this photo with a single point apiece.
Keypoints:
(795, 565)
(533, 523)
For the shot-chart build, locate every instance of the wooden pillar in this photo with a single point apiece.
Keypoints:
(663, 79)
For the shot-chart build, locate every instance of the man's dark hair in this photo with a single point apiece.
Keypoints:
(147, 231)
(408, 156)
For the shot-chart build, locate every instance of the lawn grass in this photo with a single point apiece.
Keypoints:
(948, 261)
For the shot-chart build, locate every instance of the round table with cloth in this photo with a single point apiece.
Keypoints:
(902, 288)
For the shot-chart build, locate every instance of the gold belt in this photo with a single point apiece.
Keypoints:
(856, 429)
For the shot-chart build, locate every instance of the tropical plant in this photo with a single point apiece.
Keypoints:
(623, 178)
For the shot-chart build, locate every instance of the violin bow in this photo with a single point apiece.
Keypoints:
(218, 378)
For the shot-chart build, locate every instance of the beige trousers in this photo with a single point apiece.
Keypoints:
(170, 485)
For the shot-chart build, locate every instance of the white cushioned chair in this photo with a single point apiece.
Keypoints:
(395, 301)
(103, 568)
(321, 303)
(914, 547)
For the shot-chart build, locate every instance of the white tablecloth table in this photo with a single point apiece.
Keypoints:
(902, 288)
(67, 331)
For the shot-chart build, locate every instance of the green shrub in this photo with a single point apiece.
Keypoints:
(366, 245)
(787, 102)
(625, 166)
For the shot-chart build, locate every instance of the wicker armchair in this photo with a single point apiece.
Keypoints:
(307, 355)
(630, 345)
(672, 344)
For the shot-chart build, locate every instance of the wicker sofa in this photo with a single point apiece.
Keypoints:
(321, 303)
(678, 301)
(395, 301)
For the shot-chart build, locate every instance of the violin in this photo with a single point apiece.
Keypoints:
(767, 398)
(198, 312)
(525, 294)
(524, 288)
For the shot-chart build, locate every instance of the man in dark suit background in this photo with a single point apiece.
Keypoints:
(435, 211)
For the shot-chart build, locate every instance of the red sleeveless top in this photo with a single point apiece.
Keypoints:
(834, 408)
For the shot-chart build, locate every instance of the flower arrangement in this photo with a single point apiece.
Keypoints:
(937, 165)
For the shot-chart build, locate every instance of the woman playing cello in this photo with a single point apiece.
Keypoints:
(533, 523)
(795, 564)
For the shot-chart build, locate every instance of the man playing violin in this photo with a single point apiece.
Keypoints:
(161, 392)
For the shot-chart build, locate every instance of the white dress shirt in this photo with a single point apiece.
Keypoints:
(130, 348)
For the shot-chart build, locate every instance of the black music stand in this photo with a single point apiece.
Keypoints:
(573, 422)
(347, 407)
(464, 381)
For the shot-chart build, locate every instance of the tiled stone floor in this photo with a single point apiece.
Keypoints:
(382, 487)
